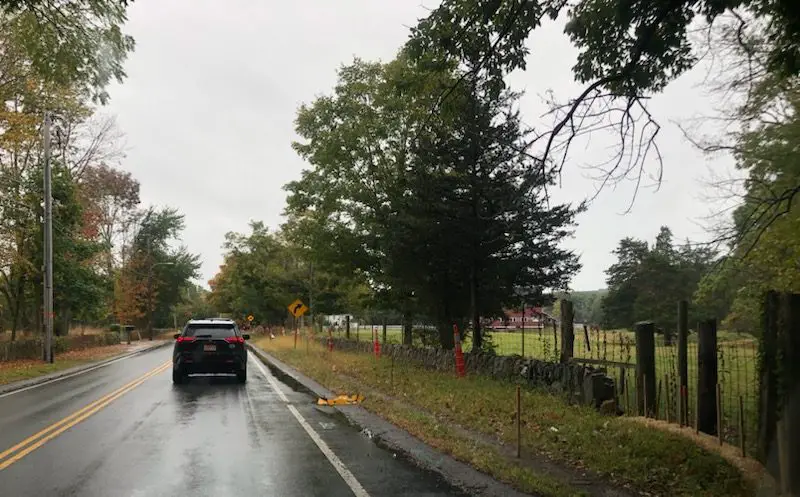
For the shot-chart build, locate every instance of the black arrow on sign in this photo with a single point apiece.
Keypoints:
(297, 308)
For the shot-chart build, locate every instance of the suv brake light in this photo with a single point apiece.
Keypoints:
(185, 339)
(234, 339)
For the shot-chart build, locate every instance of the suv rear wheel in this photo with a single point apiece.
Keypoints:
(177, 377)
(241, 376)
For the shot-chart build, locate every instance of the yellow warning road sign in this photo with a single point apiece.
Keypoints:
(297, 308)
(250, 317)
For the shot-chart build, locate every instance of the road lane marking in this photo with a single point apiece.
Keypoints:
(337, 463)
(79, 412)
(72, 375)
(35, 441)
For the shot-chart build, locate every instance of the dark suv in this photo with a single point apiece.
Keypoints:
(209, 346)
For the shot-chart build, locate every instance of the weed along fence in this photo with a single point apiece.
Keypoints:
(725, 385)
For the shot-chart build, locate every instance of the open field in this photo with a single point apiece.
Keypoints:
(737, 357)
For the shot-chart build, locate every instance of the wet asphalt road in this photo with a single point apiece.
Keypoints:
(210, 437)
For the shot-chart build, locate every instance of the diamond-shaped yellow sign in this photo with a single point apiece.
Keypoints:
(297, 308)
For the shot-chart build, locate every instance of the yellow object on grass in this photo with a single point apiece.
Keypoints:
(341, 399)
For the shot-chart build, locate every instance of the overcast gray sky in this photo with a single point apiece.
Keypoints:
(213, 86)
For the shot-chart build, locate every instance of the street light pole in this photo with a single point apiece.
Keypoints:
(48, 246)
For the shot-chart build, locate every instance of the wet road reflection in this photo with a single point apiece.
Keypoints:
(209, 437)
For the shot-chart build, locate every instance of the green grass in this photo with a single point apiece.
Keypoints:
(617, 449)
(737, 364)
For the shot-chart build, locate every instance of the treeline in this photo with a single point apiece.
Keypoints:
(437, 217)
(426, 194)
(112, 260)
(649, 279)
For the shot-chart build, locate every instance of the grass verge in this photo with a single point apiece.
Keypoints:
(24, 369)
(433, 406)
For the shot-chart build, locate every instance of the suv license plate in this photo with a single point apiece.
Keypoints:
(209, 348)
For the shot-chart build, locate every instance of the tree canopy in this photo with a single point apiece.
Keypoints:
(58, 58)
(443, 217)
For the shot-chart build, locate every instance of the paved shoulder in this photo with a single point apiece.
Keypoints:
(398, 441)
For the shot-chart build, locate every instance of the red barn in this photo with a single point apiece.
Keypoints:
(534, 317)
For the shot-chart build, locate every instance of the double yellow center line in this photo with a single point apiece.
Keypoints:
(17, 452)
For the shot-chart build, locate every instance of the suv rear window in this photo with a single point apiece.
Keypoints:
(210, 330)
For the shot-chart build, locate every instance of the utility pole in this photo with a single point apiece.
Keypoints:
(48, 246)
(149, 293)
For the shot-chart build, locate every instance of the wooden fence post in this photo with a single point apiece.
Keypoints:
(555, 338)
(683, 360)
(347, 327)
(567, 330)
(707, 376)
(384, 331)
(586, 337)
(789, 345)
(645, 367)
(768, 376)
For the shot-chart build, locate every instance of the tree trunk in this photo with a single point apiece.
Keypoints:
(407, 328)
(408, 338)
(477, 333)
(446, 338)
(18, 297)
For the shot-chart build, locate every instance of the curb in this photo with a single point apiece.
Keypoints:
(389, 436)
(24, 384)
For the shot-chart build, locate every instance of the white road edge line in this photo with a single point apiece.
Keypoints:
(337, 463)
(71, 375)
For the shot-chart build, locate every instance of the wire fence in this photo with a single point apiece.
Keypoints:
(614, 351)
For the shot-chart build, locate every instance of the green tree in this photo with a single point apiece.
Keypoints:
(628, 51)
(587, 305)
(358, 142)
(156, 274)
(75, 44)
(647, 282)
(618, 311)
(764, 239)
(195, 304)
(443, 211)
(264, 272)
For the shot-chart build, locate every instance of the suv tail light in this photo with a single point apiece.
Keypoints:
(234, 339)
(185, 339)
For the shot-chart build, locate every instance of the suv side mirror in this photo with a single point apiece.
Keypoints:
(246, 336)
(176, 336)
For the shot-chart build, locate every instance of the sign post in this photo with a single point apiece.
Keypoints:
(297, 309)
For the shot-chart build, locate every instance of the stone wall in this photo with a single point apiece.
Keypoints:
(579, 383)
